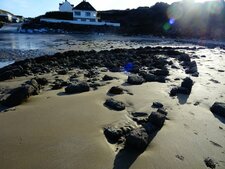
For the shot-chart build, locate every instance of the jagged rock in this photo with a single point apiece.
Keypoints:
(114, 104)
(6, 75)
(116, 131)
(139, 114)
(36, 86)
(149, 77)
(210, 163)
(42, 81)
(162, 72)
(187, 83)
(157, 119)
(116, 90)
(59, 84)
(19, 95)
(184, 57)
(62, 72)
(77, 88)
(135, 80)
(174, 91)
(157, 105)
(218, 108)
(162, 111)
(137, 139)
(107, 78)
(186, 87)
(140, 117)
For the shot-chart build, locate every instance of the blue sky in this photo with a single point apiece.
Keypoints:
(34, 8)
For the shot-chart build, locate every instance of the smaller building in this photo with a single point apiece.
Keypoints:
(6, 17)
(66, 7)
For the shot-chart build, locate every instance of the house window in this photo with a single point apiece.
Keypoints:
(77, 13)
(84, 20)
(92, 20)
(88, 13)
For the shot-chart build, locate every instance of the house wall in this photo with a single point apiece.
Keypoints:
(66, 7)
(80, 22)
(89, 16)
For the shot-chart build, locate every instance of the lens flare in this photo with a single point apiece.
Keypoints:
(214, 7)
(128, 67)
(166, 26)
(175, 11)
(171, 21)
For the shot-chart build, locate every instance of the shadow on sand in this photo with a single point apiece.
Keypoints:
(220, 118)
(182, 98)
(126, 157)
(4, 109)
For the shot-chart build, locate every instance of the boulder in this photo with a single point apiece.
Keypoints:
(187, 83)
(157, 119)
(62, 72)
(174, 91)
(107, 78)
(149, 77)
(36, 86)
(115, 131)
(116, 90)
(77, 88)
(137, 139)
(19, 95)
(135, 80)
(184, 58)
(218, 108)
(157, 105)
(114, 104)
(162, 72)
(186, 87)
(6, 75)
(162, 111)
(42, 81)
(210, 163)
(183, 90)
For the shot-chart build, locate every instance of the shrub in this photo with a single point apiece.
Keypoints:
(1, 24)
(59, 15)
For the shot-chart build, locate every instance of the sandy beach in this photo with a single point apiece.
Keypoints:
(56, 130)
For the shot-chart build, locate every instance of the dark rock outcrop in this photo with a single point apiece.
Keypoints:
(210, 163)
(114, 104)
(157, 105)
(218, 108)
(135, 80)
(157, 119)
(187, 83)
(116, 90)
(77, 88)
(186, 87)
(107, 78)
(117, 131)
(19, 95)
(137, 139)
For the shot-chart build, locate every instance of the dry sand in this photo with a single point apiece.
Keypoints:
(56, 131)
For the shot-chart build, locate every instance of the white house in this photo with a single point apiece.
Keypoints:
(84, 12)
(66, 7)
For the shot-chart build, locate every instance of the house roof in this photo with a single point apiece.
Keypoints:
(86, 6)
